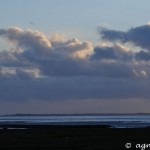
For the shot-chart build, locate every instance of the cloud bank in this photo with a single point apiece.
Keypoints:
(57, 69)
(139, 36)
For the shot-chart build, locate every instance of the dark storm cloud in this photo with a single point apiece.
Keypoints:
(54, 68)
(140, 36)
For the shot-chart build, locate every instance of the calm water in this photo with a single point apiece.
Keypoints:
(120, 121)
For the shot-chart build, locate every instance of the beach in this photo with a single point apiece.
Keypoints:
(71, 137)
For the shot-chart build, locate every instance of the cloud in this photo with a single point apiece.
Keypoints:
(72, 88)
(42, 46)
(64, 57)
(115, 52)
(111, 35)
(34, 40)
(139, 36)
(143, 55)
(59, 69)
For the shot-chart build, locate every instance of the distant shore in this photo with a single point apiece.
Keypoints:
(90, 137)
(76, 114)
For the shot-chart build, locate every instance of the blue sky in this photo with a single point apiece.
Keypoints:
(80, 18)
(66, 56)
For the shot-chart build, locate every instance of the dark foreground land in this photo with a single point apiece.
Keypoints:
(71, 138)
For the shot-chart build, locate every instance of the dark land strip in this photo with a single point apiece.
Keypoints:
(61, 137)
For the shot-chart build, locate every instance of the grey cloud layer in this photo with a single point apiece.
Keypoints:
(47, 68)
(75, 88)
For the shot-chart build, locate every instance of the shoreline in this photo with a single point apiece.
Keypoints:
(112, 124)
(49, 127)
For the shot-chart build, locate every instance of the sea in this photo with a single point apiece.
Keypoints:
(114, 120)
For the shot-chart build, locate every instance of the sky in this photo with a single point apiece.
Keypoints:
(66, 57)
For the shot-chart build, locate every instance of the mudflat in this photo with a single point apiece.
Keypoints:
(72, 137)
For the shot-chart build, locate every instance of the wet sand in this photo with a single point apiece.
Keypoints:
(70, 137)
